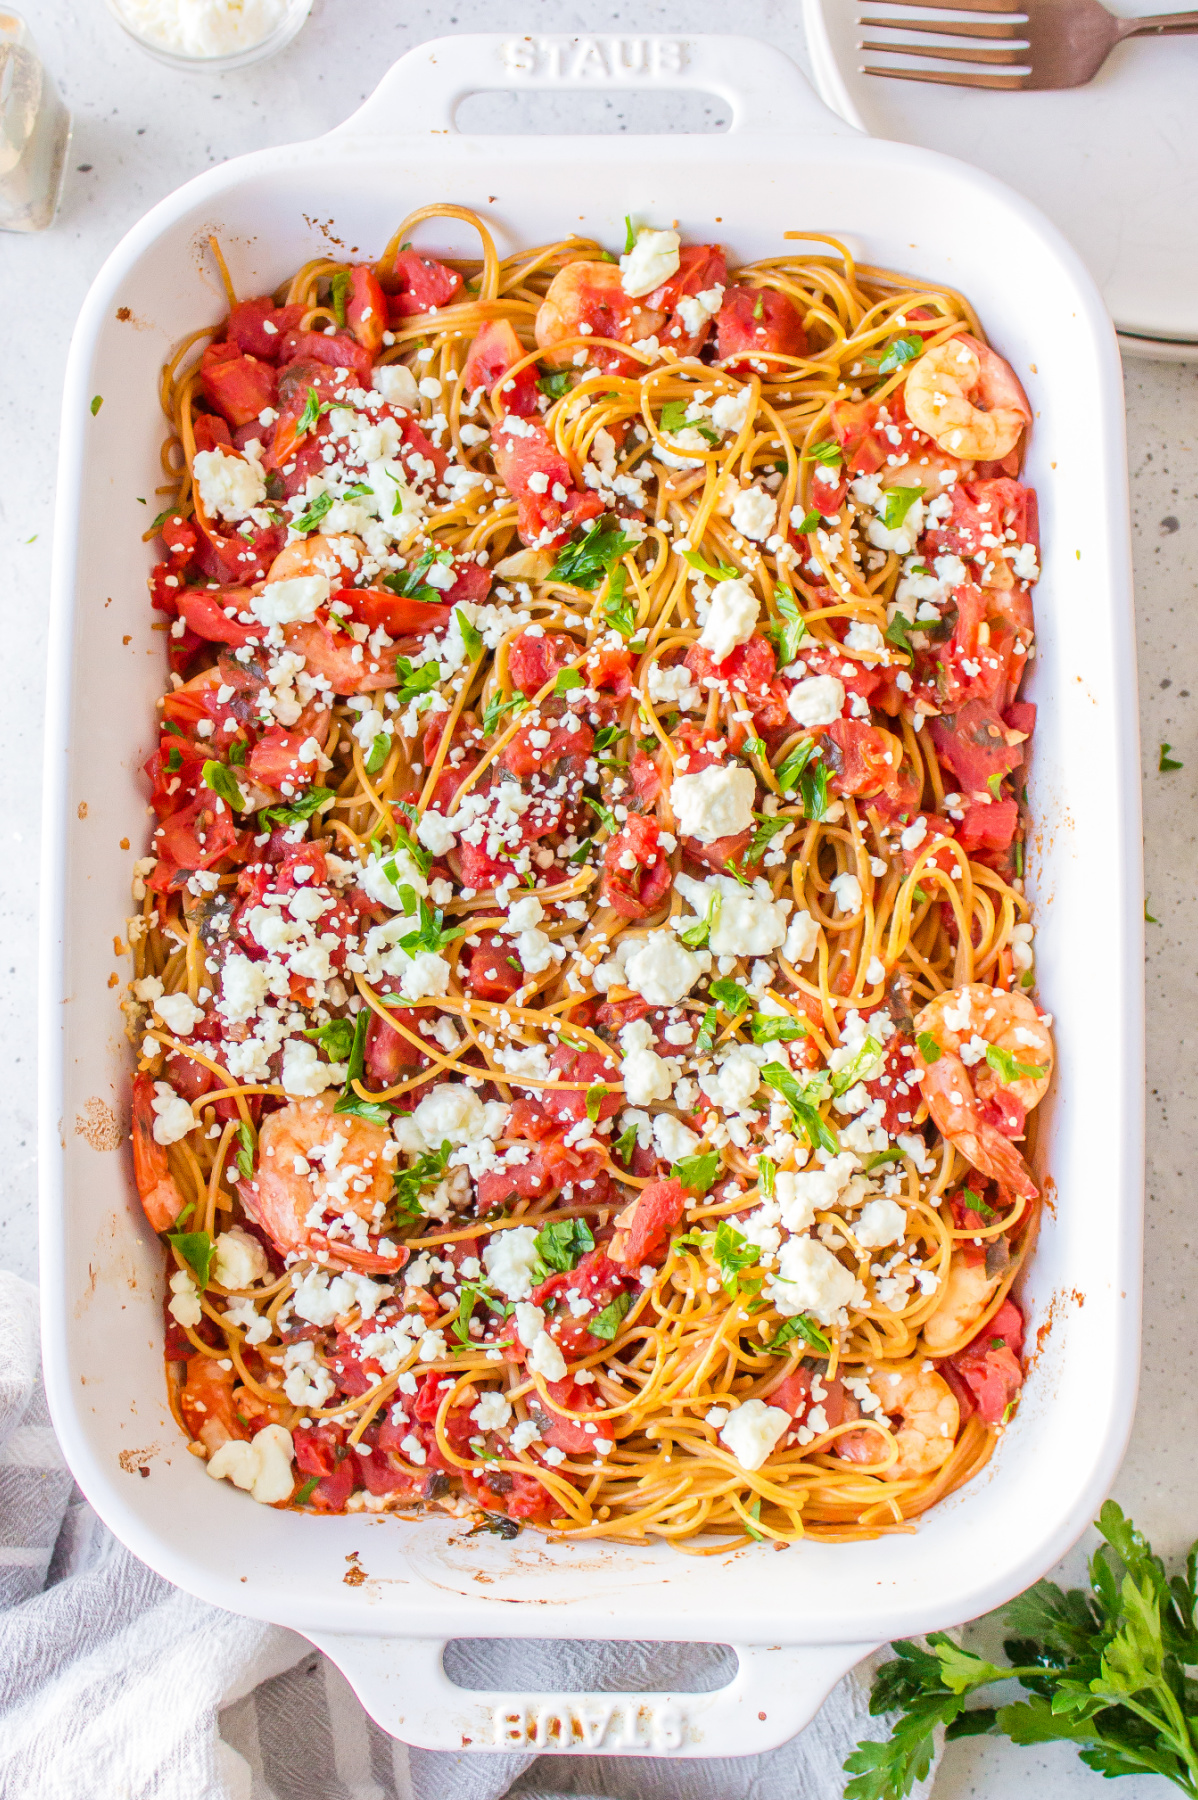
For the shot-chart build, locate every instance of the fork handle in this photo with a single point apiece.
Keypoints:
(1177, 24)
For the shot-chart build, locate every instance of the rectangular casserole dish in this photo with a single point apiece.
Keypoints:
(797, 1621)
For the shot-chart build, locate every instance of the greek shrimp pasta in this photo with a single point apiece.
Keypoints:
(584, 998)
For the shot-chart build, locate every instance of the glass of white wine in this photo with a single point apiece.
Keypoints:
(35, 132)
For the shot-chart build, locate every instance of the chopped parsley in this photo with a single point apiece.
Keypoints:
(798, 1327)
(585, 560)
(697, 1172)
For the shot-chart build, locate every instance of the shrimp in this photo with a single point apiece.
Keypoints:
(207, 1404)
(349, 666)
(966, 1294)
(967, 399)
(587, 299)
(984, 1060)
(929, 1419)
(323, 1183)
(335, 557)
(156, 1186)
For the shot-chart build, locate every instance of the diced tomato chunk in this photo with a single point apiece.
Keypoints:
(647, 1236)
(543, 515)
(195, 838)
(989, 1366)
(754, 322)
(366, 309)
(399, 614)
(258, 327)
(341, 351)
(238, 386)
(636, 870)
(973, 744)
(491, 975)
(988, 827)
(206, 614)
(494, 351)
(533, 661)
(420, 283)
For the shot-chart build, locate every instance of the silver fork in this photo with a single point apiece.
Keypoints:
(1050, 44)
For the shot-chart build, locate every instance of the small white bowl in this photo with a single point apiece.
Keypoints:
(293, 18)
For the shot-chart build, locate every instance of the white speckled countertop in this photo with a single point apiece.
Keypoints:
(140, 131)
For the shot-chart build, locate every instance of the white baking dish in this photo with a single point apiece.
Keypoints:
(808, 1614)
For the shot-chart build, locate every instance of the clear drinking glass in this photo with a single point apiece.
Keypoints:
(287, 20)
(35, 132)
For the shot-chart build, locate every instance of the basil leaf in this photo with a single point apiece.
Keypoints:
(380, 750)
(724, 572)
(787, 632)
(596, 1095)
(897, 632)
(340, 285)
(562, 1246)
(218, 779)
(697, 1172)
(567, 681)
(298, 810)
(310, 417)
(899, 501)
(813, 791)
(606, 1324)
(768, 1028)
(1008, 1069)
(471, 638)
(798, 1327)
(625, 1145)
(606, 816)
(766, 1170)
(764, 833)
(496, 707)
(237, 750)
(587, 557)
(787, 773)
(852, 1072)
(699, 934)
(707, 1030)
(426, 1171)
(629, 235)
(336, 1039)
(827, 452)
(731, 996)
(245, 1156)
(197, 1250)
(902, 350)
(304, 1494)
(556, 384)
(928, 1048)
(810, 523)
(801, 1100)
(619, 612)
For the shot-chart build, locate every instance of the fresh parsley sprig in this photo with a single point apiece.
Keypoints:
(1105, 1671)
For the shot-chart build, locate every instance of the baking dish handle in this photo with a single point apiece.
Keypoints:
(776, 1691)
(764, 89)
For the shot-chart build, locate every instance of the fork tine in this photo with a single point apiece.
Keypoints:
(947, 52)
(987, 6)
(946, 80)
(971, 28)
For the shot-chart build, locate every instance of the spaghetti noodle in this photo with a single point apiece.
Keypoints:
(582, 972)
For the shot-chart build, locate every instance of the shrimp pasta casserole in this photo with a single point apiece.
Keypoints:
(584, 989)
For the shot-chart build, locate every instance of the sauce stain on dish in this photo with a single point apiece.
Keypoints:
(98, 1125)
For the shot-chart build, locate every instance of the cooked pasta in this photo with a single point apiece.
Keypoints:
(583, 992)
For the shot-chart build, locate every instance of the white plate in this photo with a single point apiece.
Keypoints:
(1113, 164)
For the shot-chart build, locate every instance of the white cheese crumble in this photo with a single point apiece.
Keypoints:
(262, 1466)
(752, 1431)
(731, 621)
(715, 803)
(653, 259)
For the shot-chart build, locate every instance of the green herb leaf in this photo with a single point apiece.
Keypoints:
(734, 1254)
(430, 934)
(789, 630)
(695, 935)
(720, 572)
(754, 746)
(855, 1070)
(310, 417)
(336, 1038)
(813, 791)
(787, 773)
(596, 1095)
(798, 1327)
(764, 833)
(629, 235)
(310, 518)
(97, 403)
(407, 1184)
(567, 681)
(245, 1156)
(606, 1324)
(619, 612)
(157, 525)
(731, 996)
(697, 1172)
(415, 680)
(898, 630)
(220, 781)
(1166, 761)
(174, 760)
(471, 638)
(197, 1250)
(705, 1038)
(380, 750)
(340, 286)
(586, 558)
(1009, 1070)
(877, 1158)
(902, 350)
(898, 503)
(562, 1245)
(237, 750)
(928, 1048)
(803, 1102)
(496, 707)
(768, 1028)
(625, 1145)
(605, 814)
(349, 1101)
(766, 1170)
(810, 523)
(1147, 915)
(304, 1494)
(826, 452)
(298, 810)
(557, 383)
(673, 418)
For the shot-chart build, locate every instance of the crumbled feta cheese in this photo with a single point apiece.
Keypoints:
(238, 1259)
(493, 1411)
(291, 602)
(651, 261)
(881, 1222)
(173, 1117)
(733, 616)
(753, 513)
(262, 1467)
(184, 1305)
(846, 891)
(511, 1258)
(304, 1074)
(809, 1279)
(178, 1013)
(802, 938)
(715, 803)
(646, 1075)
(753, 1430)
(817, 700)
(661, 970)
